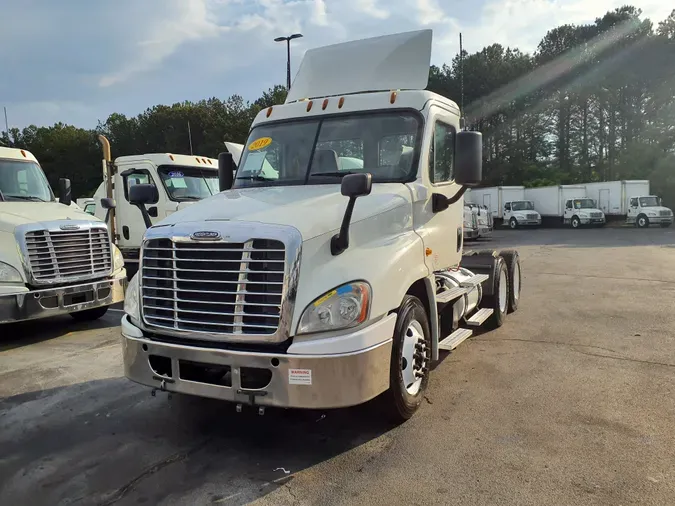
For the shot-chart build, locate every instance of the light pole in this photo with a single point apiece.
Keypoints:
(288, 53)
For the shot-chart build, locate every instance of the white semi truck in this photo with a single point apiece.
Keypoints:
(630, 200)
(566, 202)
(315, 287)
(54, 258)
(180, 180)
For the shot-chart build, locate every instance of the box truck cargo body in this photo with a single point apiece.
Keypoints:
(495, 197)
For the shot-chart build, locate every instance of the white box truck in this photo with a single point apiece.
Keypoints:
(54, 258)
(507, 205)
(630, 200)
(566, 202)
(316, 287)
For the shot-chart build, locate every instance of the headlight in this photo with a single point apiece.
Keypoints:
(9, 274)
(131, 297)
(651, 214)
(345, 306)
(118, 259)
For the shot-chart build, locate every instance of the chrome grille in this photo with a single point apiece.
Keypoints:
(665, 213)
(66, 255)
(216, 288)
(596, 215)
(532, 216)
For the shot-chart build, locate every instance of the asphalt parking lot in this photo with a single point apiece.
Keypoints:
(570, 402)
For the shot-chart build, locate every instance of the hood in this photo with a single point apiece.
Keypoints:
(312, 209)
(13, 214)
(589, 211)
(524, 213)
(656, 209)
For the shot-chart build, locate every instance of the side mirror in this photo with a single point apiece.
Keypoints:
(226, 169)
(353, 186)
(468, 158)
(108, 203)
(142, 194)
(65, 192)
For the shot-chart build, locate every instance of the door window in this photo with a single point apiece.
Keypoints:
(442, 153)
(507, 207)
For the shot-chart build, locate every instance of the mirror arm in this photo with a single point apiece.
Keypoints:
(455, 198)
(440, 202)
(146, 216)
(340, 241)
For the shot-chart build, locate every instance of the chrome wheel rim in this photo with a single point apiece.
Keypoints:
(516, 281)
(503, 295)
(414, 358)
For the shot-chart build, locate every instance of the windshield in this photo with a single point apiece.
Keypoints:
(584, 204)
(188, 183)
(522, 206)
(649, 202)
(23, 181)
(384, 144)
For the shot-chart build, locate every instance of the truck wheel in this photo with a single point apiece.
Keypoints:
(575, 222)
(665, 225)
(512, 260)
(642, 221)
(499, 302)
(513, 223)
(89, 315)
(410, 360)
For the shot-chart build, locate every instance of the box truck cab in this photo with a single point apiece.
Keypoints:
(313, 285)
(54, 258)
(582, 211)
(646, 211)
(520, 213)
(180, 180)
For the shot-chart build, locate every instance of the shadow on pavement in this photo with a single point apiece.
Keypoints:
(16, 335)
(109, 442)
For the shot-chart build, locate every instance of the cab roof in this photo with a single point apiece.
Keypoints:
(17, 154)
(157, 159)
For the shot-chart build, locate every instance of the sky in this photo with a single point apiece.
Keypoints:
(78, 61)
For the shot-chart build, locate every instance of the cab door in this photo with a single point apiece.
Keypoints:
(569, 211)
(440, 230)
(507, 212)
(632, 210)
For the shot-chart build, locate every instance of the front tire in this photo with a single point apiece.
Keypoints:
(576, 222)
(642, 221)
(89, 315)
(512, 260)
(410, 360)
(513, 223)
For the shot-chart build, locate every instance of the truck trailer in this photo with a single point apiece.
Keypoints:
(314, 286)
(54, 258)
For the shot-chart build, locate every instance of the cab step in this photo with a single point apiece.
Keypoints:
(474, 280)
(480, 316)
(455, 339)
(450, 295)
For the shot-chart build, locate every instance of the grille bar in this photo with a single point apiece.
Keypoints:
(178, 294)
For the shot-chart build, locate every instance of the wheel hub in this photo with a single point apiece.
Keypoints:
(415, 358)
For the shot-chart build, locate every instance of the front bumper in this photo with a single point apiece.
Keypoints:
(592, 221)
(281, 379)
(660, 219)
(470, 233)
(35, 304)
(484, 231)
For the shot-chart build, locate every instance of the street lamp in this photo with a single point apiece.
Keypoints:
(288, 52)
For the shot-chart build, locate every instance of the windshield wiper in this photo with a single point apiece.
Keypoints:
(341, 173)
(32, 198)
(257, 177)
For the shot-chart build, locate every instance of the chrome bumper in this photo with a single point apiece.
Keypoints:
(35, 304)
(292, 381)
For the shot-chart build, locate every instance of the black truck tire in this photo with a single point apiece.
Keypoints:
(498, 301)
(512, 260)
(401, 401)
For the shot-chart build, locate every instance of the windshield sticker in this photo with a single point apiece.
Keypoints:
(261, 143)
(176, 174)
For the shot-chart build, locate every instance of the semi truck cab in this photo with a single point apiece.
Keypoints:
(646, 211)
(54, 258)
(311, 282)
(583, 211)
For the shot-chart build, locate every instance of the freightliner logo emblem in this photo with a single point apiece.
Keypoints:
(205, 235)
(69, 227)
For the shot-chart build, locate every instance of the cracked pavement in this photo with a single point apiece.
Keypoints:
(570, 402)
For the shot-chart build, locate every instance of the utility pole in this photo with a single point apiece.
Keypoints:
(7, 127)
(190, 137)
(288, 55)
(461, 82)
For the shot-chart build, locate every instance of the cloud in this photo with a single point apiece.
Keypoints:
(127, 55)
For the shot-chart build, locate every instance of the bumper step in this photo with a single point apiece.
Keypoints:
(455, 339)
(480, 316)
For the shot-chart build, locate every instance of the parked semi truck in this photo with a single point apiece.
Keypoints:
(470, 224)
(484, 220)
(54, 258)
(180, 180)
(568, 203)
(315, 287)
(630, 201)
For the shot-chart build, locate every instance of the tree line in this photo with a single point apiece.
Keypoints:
(594, 102)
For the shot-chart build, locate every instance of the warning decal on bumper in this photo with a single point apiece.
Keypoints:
(299, 376)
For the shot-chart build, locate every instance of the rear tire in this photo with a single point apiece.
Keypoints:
(512, 260)
(89, 315)
(411, 348)
(499, 301)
